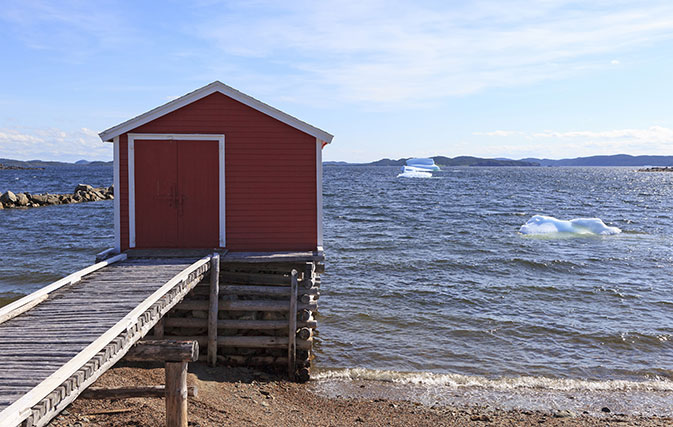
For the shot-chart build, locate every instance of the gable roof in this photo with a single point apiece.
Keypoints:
(216, 86)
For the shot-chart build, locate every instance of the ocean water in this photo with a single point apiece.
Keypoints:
(428, 281)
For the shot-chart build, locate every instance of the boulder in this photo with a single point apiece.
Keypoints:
(22, 199)
(40, 199)
(53, 200)
(2, 206)
(8, 198)
(83, 187)
(111, 189)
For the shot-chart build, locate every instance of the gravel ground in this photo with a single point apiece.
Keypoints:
(239, 396)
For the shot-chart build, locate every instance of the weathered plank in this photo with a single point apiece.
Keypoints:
(50, 352)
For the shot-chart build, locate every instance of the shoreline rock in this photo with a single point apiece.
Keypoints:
(82, 193)
(8, 167)
(657, 169)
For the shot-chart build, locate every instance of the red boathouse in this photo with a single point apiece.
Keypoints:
(217, 168)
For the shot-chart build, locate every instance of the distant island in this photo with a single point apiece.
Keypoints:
(610, 160)
(41, 164)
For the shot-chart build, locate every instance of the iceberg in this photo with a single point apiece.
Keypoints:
(427, 164)
(413, 172)
(540, 224)
(419, 168)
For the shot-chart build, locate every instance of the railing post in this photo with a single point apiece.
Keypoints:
(213, 309)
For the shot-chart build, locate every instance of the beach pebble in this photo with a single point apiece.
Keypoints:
(563, 414)
(481, 417)
(605, 409)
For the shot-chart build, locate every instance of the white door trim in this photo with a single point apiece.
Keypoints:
(132, 137)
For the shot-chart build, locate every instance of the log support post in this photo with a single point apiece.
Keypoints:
(175, 355)
(213, 309)
(176, 394)
(159, 329)
(292, 328)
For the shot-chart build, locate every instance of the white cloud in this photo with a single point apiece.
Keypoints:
(499, 133)
(75, 30)
(393, 52)
(53, 144)
(555, 144)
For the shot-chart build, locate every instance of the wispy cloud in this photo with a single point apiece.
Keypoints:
(53, 144)
(499, 133)
(75, 30)
(651, 140)
(392, 52)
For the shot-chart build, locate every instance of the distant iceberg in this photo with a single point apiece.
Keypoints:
(413, 172)
(418, 168)
(427, 164)
(540, 224)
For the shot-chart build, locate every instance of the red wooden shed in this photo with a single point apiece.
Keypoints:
(217, 168)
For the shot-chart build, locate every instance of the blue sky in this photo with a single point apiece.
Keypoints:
(389, 79)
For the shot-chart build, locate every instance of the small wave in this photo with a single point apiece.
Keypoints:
(540, 224)
(523, 382)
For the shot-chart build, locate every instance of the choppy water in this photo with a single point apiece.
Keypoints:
(41, 245)
(431, 275)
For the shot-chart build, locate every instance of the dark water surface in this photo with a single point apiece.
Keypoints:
(431, 275)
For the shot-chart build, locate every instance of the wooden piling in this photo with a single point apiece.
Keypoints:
(176, 394)
(213, 309)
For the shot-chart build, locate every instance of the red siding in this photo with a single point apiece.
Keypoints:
(270, 175)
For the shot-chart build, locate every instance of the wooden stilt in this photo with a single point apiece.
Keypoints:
(213, 309)
(176, 394)
(292, 328)
(159, 329)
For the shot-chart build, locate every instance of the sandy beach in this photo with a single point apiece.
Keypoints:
(241, 396)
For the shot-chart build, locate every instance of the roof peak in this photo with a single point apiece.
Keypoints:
(216, 86)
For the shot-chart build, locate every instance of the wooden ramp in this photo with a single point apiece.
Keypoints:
(57, 341)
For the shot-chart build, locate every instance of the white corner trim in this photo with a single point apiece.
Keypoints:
(132, 193)
(215, 86)
(223, 212)
(117, 190)
(132, 137)
(318, 179)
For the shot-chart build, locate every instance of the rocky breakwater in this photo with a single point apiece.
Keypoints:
(82, 193)
(657, 169)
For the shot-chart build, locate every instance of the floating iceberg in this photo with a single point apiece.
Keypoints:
(418, 168)
(540, 224)
(413, 172)
(426, 164)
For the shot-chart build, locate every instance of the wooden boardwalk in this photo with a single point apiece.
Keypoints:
(79, 327)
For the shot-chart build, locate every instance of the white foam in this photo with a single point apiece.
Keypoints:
(540, 224)
(524, 382)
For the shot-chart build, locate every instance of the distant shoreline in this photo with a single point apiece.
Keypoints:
(624, 160)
